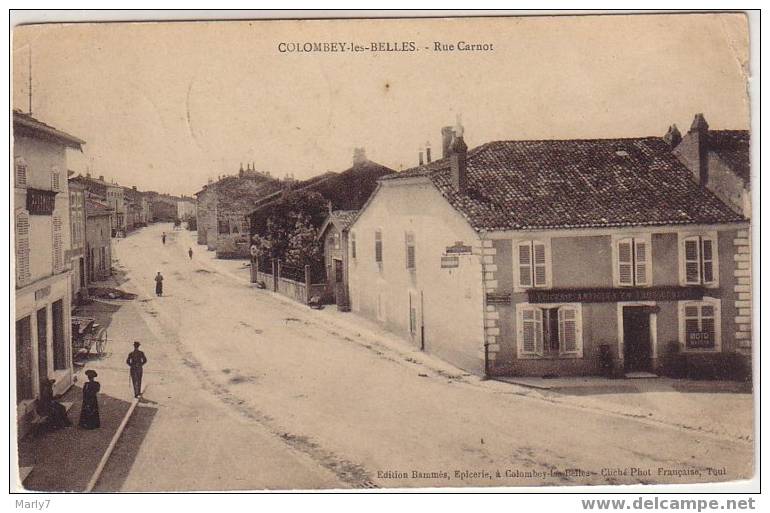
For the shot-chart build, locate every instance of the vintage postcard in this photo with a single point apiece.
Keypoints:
(295, 254)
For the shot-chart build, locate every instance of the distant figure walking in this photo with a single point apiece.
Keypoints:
(89, 412)
(135, 362)
(189, 252)
(158, 284)
(163, 238)
(54, 411)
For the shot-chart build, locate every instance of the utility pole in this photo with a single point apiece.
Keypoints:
(30, 80)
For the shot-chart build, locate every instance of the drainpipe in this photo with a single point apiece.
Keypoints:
(484, 308)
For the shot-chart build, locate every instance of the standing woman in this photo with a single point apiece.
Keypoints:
(159, 284)
(89, 412)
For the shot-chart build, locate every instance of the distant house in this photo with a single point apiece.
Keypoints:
(222, 207)
(338, 248)
(77, 204)
(98, 239)
(555, 257)
(347, 190)
(41, 220)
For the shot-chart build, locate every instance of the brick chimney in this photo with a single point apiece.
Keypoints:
(101, 177)
(457, 160)
(447, 134)
(427, 152)
(693, 152)
(421, 161)
(359, 156)
(673, 137)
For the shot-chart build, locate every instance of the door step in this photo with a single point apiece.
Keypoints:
(640, 375)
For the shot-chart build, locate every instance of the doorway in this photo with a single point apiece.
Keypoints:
(42, 344)
(637, 343)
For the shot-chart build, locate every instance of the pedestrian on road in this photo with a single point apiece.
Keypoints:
(163, 238)
(189, 252)
(158, 284)
(136, 361)
(52, 410)
(89, 412)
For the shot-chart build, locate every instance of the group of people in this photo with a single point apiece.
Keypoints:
(55, 412)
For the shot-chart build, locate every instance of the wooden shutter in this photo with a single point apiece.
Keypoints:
(23, 272)
(641, 262)
(352, 244)
(531, 331)
(538, 253)
(707, 258)
(58, 249)
(568, 329)
(55, 179)
(525, 264)
(21, 172)
(410, 254)
(691, 261)
(378, 246)
(625, 262)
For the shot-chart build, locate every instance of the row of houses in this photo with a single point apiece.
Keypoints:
(63, 229)
(62, 243)
(560, 257)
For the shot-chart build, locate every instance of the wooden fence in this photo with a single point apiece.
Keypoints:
(286, 280)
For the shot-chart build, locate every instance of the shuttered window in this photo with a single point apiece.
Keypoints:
(55, 179)
(352, 244)
(23, 272)
(633, 262)
(378, 246)
(568, 329)
(531, 331)
(58, 246)
(533, 264)
(699, 257)
(410, 251)
(21, 172)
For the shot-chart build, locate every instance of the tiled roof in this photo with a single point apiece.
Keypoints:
(732, 146)
(576, 184)
(96, 208)
(26, 124)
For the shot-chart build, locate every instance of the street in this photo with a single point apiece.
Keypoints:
(247, 391)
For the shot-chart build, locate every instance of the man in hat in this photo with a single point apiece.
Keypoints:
(135, 362)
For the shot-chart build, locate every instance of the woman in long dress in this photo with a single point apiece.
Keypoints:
(158, 284)
(89, 413)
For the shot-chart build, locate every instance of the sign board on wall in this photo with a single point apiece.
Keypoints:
(448, 262)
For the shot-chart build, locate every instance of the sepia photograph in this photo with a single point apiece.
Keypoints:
(488, 252)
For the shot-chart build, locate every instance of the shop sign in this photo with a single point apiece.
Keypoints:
(458, 249)
(614, 295)
(700, 339)
(448, 262)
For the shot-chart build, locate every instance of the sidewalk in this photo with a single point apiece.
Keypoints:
(80, 450)
(722, 409)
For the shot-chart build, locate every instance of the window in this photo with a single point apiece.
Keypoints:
(336, 240)
(410, 254)
(378, 247)
(533, 264)
(55, 179)
(549, 331)
(699, 324)
(698, 260)
(23, 272)
(21, 172)
(57, 246)
(412, 315)
(352, 244)
(632, 262)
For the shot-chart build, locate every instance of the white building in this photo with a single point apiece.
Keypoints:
(42, 242)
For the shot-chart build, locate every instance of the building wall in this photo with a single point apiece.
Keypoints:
(98, 237)
(45, 285)
(448, 301)
(78, 239)
(587, 261)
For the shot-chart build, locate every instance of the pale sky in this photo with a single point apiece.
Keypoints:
(167, 106)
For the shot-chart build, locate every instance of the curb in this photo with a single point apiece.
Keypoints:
(106, 456)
